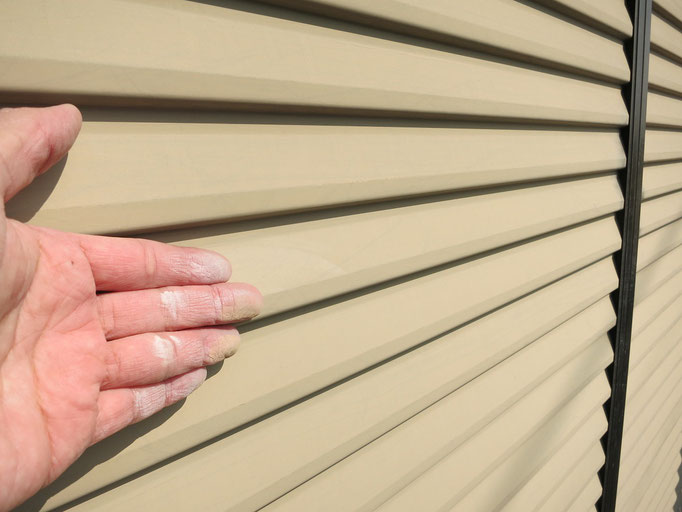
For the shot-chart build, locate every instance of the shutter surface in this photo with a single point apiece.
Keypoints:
(424, 191)
(652, 437)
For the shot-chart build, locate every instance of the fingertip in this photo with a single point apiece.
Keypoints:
(70, 110)
(190, 381)
(210, 267)
(224, 344)
(71, 120)
(248, 300)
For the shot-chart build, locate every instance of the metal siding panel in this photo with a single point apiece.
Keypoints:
(444, 484)
(663, 110)
(664, 75)
(661, 179)
(609, 15)
(661, 145)
(571, 485)
(368, 477)
(645, 340)
(370, 147)
(280, 449)
(587, 497)
(658, 243)
(660, 211)
(310, 260)
(663, 481)
(670, 8)
(641, 457)
(648, 310)
(545, 459)
(273, 63)
(661, 449)
(665, 38)
(141, 174)
(652, 277)
(521, 31)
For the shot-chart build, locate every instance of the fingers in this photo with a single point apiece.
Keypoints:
(154, 357)
(31, 141)
(121, 407)
(176, 307)
(120, 264)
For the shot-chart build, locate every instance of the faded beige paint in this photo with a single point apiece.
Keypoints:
(657, 243)
(368, 477)
(446, 482)
(609, 14)
(432, 227)
(136, 174)
(558, 461)
(271, 65)
(576, 479)
(665, 38)
(658, 212)
(671, 9)
(587, 497)
(535, 36)
(662, 145)
(248, 492)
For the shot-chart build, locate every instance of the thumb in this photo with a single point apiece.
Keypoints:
(31, 141)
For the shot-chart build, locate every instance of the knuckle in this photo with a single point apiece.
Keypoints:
(223, 302)
(107, 315)
(38, 146)
(150, 258)
(112, 367)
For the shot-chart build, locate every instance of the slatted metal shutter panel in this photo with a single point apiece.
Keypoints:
(652, 437)
(425, 194)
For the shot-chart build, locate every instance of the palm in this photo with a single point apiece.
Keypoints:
(77, 365)
(57, 337)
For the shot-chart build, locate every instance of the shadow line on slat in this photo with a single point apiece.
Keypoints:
(293, 217)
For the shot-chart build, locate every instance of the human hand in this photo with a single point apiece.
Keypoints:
(77, 366)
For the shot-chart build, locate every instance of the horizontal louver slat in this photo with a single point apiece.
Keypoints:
(132, 176)
(536, 36)
(272, 63)
(537, 466)
(444, 484)
(427, 204)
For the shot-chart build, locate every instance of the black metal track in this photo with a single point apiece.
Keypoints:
(626, 259)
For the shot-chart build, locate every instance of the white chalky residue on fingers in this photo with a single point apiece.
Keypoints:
(163, 349)
(177, 341)
(205, 273)
(172, 301)
(209, 268)
(149, 400)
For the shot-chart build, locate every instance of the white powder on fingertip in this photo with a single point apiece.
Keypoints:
(209, 268)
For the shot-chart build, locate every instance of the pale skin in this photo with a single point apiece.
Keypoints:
(77, 365)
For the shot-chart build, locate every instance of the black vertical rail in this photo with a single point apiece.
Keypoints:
(626, 259)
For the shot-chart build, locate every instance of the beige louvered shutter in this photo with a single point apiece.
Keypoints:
(424, 191)
(653, 415)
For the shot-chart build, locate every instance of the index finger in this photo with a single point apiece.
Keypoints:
(128, 264)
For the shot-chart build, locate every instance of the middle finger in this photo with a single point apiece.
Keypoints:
(175, 308)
